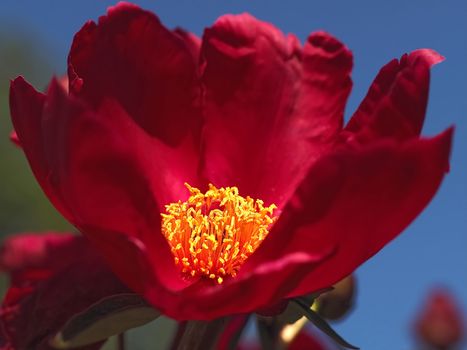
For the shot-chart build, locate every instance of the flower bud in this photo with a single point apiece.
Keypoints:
(336, 303)
(440, 324)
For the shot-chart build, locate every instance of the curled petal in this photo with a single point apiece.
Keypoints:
(26, 106)
(396, 102)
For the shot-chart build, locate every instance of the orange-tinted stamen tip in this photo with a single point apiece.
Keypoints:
(213, 233)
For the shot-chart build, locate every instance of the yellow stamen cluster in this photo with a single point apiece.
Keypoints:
(213, 233)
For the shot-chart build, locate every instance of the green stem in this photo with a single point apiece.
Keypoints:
(121, 341)
(201, 335)
(178, 335)
(269, 333)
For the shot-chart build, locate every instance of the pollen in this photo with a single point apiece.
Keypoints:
(213, 233)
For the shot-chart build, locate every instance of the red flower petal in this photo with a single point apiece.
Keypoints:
(205, 301)
(114, 185)
(26, 118)
(105, 181)
(356, 201)
(109, 185)
(130, 56)
(54, 276)
(26, 105)
(395, 104)
(266, 99)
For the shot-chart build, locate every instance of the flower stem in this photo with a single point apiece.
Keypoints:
(290, 331)
(121, 341)
(201, 335)
(269, 333)
(178, 335)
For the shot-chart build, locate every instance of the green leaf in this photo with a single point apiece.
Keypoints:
(110, 316)
(291, 315)
(320, 323)
(310, 298)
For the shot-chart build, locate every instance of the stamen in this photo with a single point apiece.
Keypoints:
(213, 233)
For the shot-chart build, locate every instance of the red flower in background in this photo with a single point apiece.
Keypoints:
(53, 277)
(149, 109)
(440, 324)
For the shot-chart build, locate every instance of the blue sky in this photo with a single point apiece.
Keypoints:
(432, 251)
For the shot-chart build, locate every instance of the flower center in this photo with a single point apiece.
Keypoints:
(213, 233)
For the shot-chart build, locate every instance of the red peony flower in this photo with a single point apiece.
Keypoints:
(281, 199)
